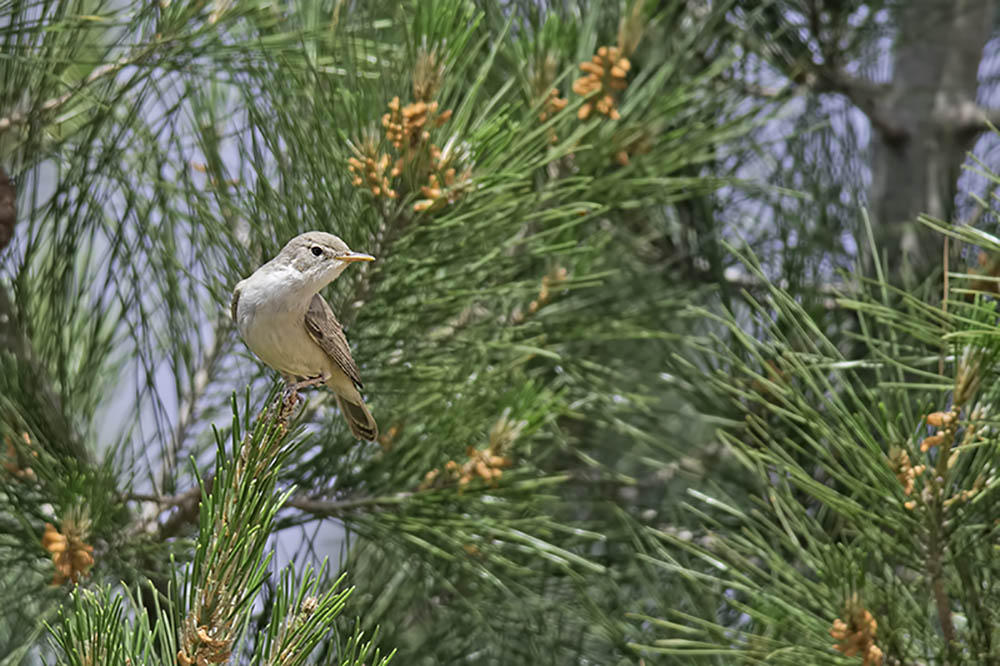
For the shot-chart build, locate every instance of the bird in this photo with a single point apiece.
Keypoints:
(284, 321)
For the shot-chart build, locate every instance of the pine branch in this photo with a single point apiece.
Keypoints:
(55, 103)
(203, 621)
(507, 569)
(186, 504)
(336, 508)
(843, 455)
(965, 117)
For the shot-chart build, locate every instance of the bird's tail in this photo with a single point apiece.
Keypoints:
(358, 417)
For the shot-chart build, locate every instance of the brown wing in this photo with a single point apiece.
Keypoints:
(324, 328)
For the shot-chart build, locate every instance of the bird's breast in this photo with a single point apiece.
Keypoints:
(272, 323)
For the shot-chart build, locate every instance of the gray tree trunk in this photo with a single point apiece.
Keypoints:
(924, 123)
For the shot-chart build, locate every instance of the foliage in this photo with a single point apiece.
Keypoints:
(204, 619)
(870, 525)
(510, 334)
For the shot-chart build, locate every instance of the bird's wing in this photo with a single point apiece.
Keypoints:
(235, 302)
(324, 328)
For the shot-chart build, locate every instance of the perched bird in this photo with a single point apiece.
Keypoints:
(288, 325)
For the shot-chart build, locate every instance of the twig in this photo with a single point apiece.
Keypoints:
(966, 117)
(338, 507)
(21, 117)
(941, 600)
(944, 299)
(164, 501)
(830, 291)
(188, 502)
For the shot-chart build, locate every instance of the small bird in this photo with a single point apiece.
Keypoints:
(287, 324)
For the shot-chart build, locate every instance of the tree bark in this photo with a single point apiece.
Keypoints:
(930, 122)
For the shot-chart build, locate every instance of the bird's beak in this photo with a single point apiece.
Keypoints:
(356, 256)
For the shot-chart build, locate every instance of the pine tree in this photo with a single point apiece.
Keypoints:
(867, 532)
(505, 168)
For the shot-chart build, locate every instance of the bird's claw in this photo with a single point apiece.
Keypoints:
(307, 383)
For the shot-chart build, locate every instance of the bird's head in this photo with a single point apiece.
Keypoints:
(320, 257)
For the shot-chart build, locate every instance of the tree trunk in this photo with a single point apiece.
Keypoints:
(931, 123)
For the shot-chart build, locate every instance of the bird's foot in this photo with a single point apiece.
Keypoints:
(306, 383)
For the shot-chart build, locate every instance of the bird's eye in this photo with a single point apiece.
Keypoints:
(317, 250)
